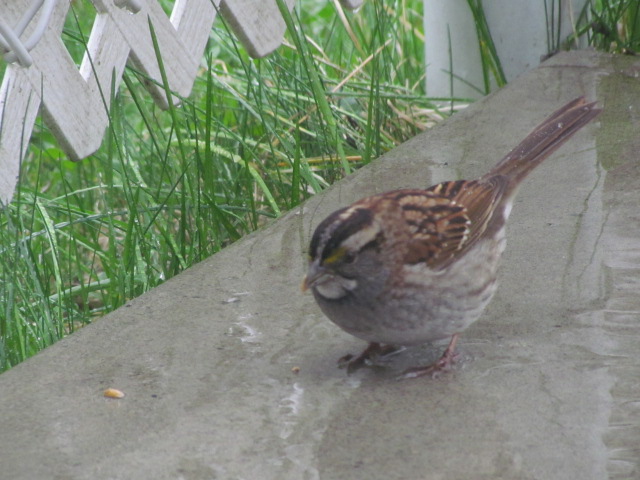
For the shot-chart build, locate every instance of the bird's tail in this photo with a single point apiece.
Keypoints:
(544, 140)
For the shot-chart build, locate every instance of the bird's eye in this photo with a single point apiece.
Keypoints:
(349, 257)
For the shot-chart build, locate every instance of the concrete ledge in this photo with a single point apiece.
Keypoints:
(548, 383)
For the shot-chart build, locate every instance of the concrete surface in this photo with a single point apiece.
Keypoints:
(547, 387)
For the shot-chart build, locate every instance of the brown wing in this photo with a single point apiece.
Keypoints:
(447, 219)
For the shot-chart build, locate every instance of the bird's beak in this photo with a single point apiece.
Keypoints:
(315, 272)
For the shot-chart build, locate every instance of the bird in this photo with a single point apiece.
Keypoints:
(414, 266)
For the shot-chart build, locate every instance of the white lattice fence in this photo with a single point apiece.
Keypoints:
(70, 100)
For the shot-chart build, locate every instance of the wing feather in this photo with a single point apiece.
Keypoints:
(447, 219)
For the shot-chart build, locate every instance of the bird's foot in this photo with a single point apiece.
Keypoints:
(373, 350)
(447, 359)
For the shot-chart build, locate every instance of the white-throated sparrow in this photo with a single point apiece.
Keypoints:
(413, 266)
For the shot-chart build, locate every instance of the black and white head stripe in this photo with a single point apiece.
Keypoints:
(350, 228)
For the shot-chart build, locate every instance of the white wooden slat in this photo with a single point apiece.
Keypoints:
(258, 25)
(107, 50)
(73, 110)
(18, 112)
(193, 20)
(72, 106)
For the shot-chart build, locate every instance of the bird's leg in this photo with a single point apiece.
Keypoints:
(373, 350)
(444, 363)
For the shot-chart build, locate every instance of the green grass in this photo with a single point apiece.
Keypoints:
(612, 25)
(255, 138)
